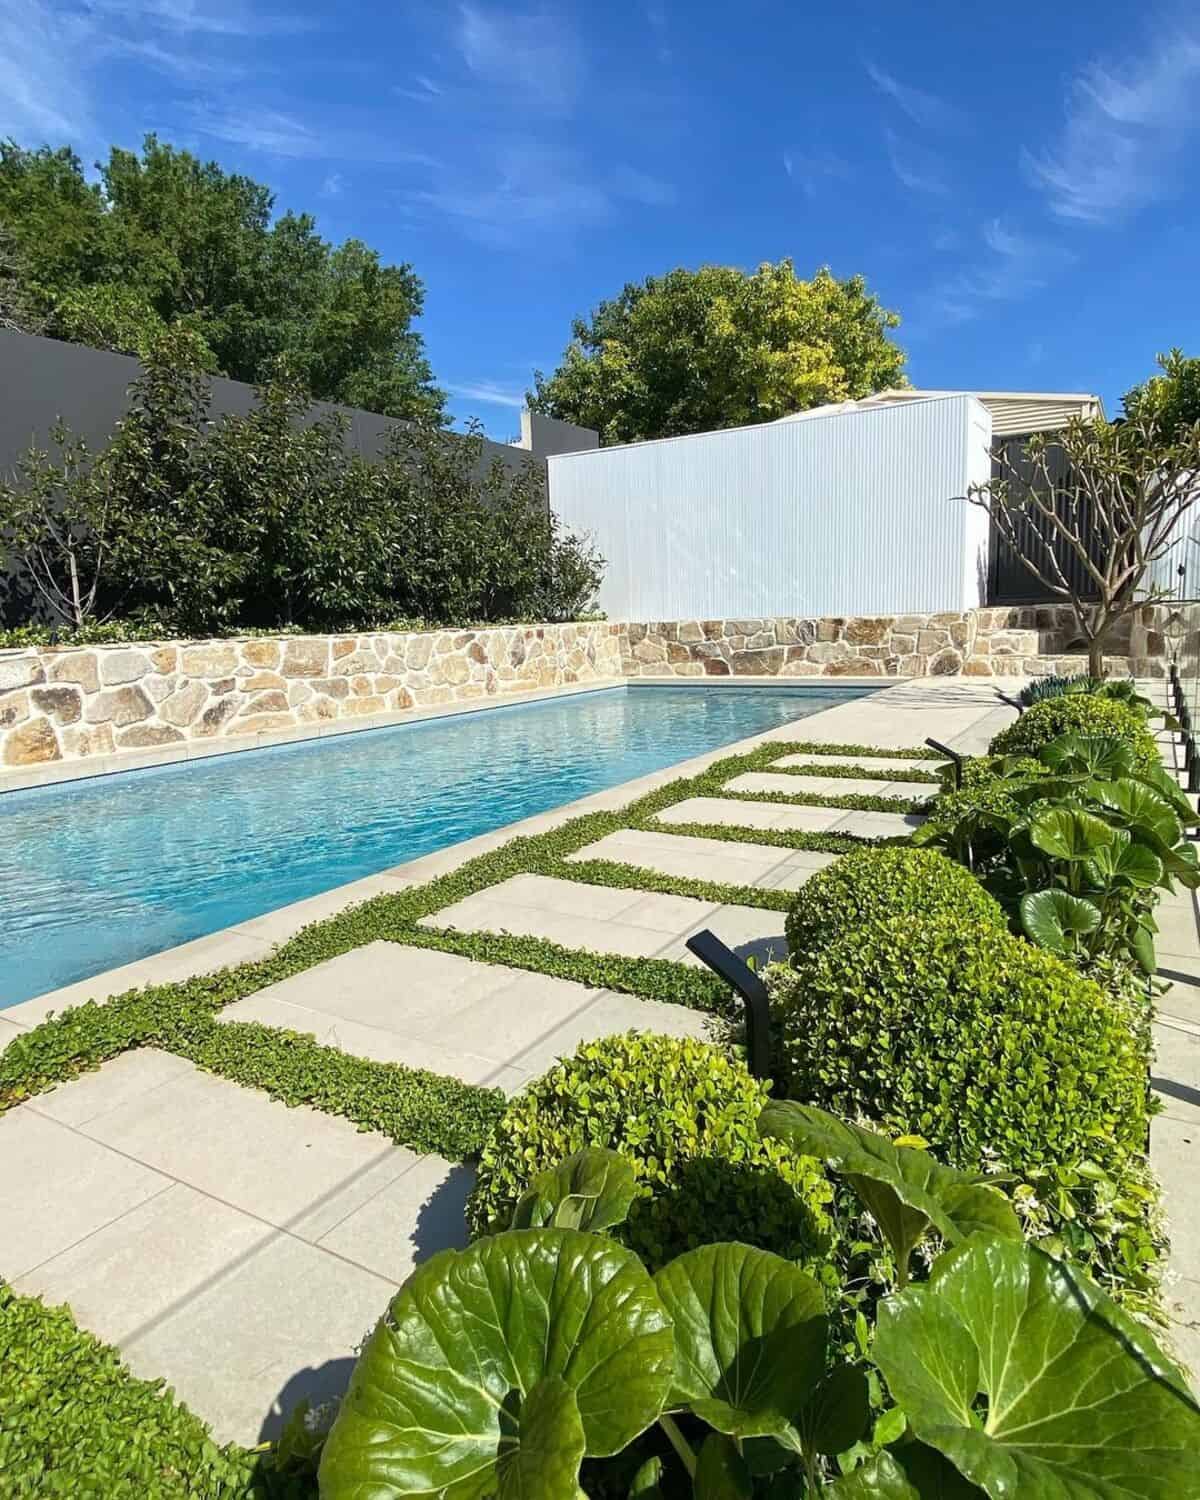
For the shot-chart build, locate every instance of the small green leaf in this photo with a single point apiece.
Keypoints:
(646, 1483)
(1053, 919)
(750, 1332)
(541, 1459)
(1142, 945)
(837, 1413)
(721, 1472)
(591, 1190)
(910, 1472)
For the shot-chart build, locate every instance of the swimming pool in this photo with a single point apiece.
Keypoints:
(100, 872)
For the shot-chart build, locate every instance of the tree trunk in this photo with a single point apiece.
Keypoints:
(1096, 655)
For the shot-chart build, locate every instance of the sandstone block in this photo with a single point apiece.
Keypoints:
(117, 667)
(14, 707)
(420, 649)
(119, 706)
(63, 704)
(305, 658)
(216, 715)
(183, 706)
(261, 681)
(945, 663)
(690, 630)
(272, 701)
(755, 663)
(20, 671)
(260, 723)
(261, 653)
(164, 659)
(88, 739)
(31, 744)
(716, 666)
(650, 650)
(75, 666)
(868, 630)
(213, 659)
(830, 628)
(344, 648)
(143, 736)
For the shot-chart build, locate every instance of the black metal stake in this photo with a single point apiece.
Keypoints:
(725, 963)
(950, 755)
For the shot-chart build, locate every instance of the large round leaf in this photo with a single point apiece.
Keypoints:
(1126, 863)
(1099, 755)
(1079, 1400)
(1164, 782)
(1146, 813)
(910, 1472)
(1067, 833)
(541, 1457)
(590, 1190)
(445, 1376)
(1053, 919)
(750, 1334)
(905, 1189)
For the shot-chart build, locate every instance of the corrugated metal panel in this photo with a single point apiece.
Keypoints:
(845, 514)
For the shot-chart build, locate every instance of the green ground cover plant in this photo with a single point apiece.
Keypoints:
(1084, 714)
(1007, 1371)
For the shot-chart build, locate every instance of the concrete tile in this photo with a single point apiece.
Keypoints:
(282, 1324)
(791, 876)
(503, 1025)
(681, 855)
(412, 1218)
(217, 951)
(129, 1076)
(1181, 1001)
(8, 1030)
(56, 1187)
(749, 932)
(781, 784)
(881, 764)
(1177, 931)
(877, 825)
(126, 1276)
(283, 1165)
(666, 914)
(1175, 1157)
(1183, 1308)
(567, 898)
(509, 1080)
(607, 1015)
(480, 913)
(726, 812)
(817, 819)
(909, 790)
(1175, 1073)
(391, 986)
(373, 1042)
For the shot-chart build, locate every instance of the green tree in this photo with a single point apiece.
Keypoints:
(1172, 399)
(692, 351)
(163, 239)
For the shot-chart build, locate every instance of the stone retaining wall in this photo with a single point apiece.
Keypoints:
(1012, 642)
(62, 704)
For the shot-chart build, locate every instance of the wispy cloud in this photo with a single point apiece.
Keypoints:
(487, 393)
(43, 67)
(192, 17)
(526, 188)
(916, 167)
(279, 133)
(534, 58)
(333, 186)
(422, 89)
(810, 169)
(656, 18)
(925, 110)
(1125, 127)
(1013, 265)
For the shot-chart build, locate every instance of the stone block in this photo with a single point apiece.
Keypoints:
(164, 659)
(688, 669)
(20, 671)
(14, 707)
(713, 629)
(261, 653)
(31, 743)
(304, 658)
(119, 706)
(754, 663)
(744, 627)
(902, 645)
(117, 667)
(854, 666)
(331, 687)
(930, 641)
(690, 630)
(452, 670)
(142, 736)
(75, 666)
(183, 706)
(62, 704)
(830, 628)
(716, 666)
(977, 666)
(88, 739)
(344, 648)
(826, 651)
(157, 687)
(945, 664)
(650, 650)
(213, 659)
(216, 715)
(800, 668)
(420, 649)
(868, 630)
(677, 652)
(760, 641)
(355, 663)
(259, 723)
(272, 701)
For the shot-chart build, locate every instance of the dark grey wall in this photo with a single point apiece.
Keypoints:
(44, 379)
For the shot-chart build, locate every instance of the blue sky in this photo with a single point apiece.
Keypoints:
(1015, 183)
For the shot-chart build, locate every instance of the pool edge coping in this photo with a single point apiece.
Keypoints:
(157, 968)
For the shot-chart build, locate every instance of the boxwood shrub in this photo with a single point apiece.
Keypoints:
(1085, 713)
(874, 884)
(1000, 1055)
(685, 1115)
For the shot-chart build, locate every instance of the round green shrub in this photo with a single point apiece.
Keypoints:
(685, 1114)
(1084, 713)
(996, 1052)
(875, 885)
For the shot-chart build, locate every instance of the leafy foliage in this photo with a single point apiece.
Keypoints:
(693, 351)
(1084, 714)
(162, 239)
(683, 1115)
(1172, 398)
(1001, 1056)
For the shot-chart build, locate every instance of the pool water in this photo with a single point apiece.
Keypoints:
(100, 872)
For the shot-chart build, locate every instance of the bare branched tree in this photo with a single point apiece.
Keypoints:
(1112, 497)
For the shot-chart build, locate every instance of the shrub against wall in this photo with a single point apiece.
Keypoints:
(266, 520)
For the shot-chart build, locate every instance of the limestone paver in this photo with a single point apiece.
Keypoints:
(750, 933)
(283, 1165)
(608, 1015)
(728, 812)
(798, 869)
(283, 1323)
(892, 764)
(784, 784)
(681, 854)
(56, 1187)
(8, 1030)
(121, 1080)
(411, 1218)
(878, 825)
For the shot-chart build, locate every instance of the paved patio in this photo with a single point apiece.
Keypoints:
(242, 1249)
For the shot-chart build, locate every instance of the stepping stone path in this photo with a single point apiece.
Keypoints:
(890, 764)
(783, 784)
(242, 1249)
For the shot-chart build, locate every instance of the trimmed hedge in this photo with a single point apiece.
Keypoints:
(685, 1114)
(877, 884)
(1083, 713)
(940, 1023)
(75, 1424)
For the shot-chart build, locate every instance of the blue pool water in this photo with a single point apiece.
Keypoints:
(101, 872)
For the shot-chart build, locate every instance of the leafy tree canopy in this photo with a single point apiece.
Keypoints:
(162, 238)
(1171, 398)
(696, 350)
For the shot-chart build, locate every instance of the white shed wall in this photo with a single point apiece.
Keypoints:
(844, 514)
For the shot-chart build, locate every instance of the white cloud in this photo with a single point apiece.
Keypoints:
(189, 17)
(917, 168)
(923, 109)
(535, 59)
(810, 169)
(333, 186)
(44, 94)
(279, 133)
(1124, 134)
(1014, 266)
(488, 393)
